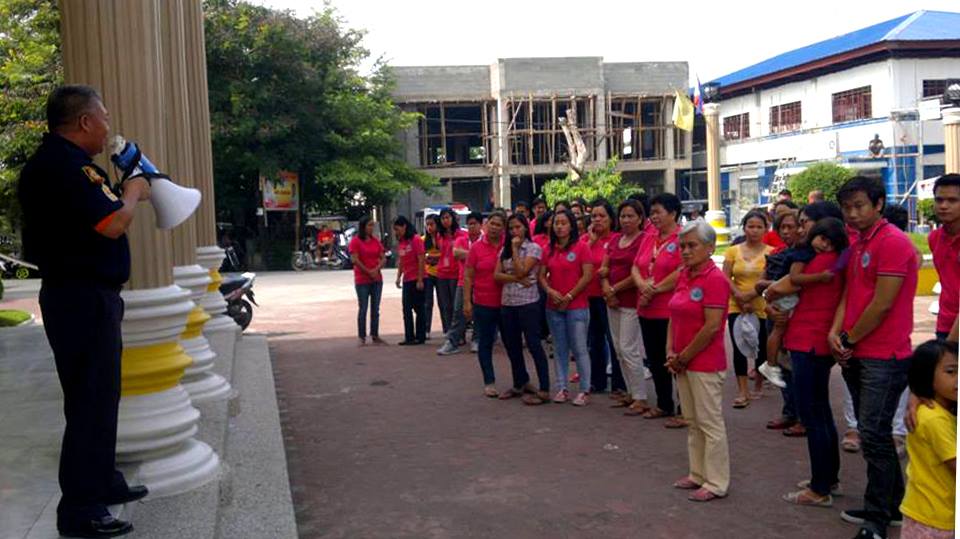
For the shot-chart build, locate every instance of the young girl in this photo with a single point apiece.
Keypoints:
(929, 501)
(828, 235)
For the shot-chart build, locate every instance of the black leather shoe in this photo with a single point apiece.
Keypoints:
(99, 527)
(131, 495)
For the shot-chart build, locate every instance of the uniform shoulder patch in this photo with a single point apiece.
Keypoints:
(109, 194)
(93, 175)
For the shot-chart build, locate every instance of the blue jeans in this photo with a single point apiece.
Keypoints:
(876, 385)
(369, 294)
(519, 323)
(811, 390)
(486, 319)
(569, 330)
(600, 345)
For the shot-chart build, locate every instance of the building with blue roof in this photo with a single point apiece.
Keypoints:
(827, 102)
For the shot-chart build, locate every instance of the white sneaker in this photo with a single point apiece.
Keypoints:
(448, 349)
(773, 374)
(474, 347)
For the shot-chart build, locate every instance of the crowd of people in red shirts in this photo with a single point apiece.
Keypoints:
(630, 294)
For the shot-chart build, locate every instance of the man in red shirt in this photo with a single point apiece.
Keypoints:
(324, 241)
(870, 337)
(945, 245)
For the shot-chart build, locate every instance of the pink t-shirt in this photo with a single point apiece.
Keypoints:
(708, 289)
(946, 258)
(811, 320)
(483, 260)
(407, 252)
(368, 251)
(620, 263)
(663, 258)
(564, 269)
(882, 251)
(597, 250)
(447, 267)
(464, 242)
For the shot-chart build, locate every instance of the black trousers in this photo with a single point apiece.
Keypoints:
(414, 322)
(82, 323)
(516, 324)
(654, 332)
(599, 343)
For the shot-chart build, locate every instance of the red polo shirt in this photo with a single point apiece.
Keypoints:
(407, 251)
(368, 251)
(946, 258)
(483, 260)
(773, 239)
(883, 250)
(808, 327)
(708, 289)
(597, 250)
(620, 263)
(564, 269)
(664, 255)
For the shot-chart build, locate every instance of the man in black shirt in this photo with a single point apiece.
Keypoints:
(75, 231)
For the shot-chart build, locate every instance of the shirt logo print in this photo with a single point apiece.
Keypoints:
(696, 294)
(671, 247)
(571, 257)
(865, 260)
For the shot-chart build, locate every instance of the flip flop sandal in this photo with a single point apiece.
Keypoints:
(654, 413)
(622, 404)
(740, 403)
(805, 497)
(796, 431)
(534, 400)
(675, 423)
(491, 392)
(703, 495)
(636, 411)
(686, 484)
(510, 394)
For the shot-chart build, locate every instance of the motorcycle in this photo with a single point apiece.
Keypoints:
(235, 289)
(12, 268)
(337, 257)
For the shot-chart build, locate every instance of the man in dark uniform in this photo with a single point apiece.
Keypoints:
(74, 230)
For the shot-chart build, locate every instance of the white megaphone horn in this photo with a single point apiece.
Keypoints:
(172, 203)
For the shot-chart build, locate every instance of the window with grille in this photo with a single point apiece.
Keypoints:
(935, 87)
(786, 117)
(852, 105)
(736, 127)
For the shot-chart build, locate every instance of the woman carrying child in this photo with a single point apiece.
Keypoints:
(817, 286)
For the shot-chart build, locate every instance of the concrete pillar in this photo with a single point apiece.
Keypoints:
(221, 330)
(199, 380)
(951, 140)
(501, 177)
(715, 215)
(600, 122)
(117, 48)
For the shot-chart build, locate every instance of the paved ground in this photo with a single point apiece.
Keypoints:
(398, 442)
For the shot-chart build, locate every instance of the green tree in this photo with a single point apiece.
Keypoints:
(604, 182)
(827, 177)
(30, 67)
(286, 93)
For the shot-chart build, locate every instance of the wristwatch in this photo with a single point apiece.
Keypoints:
(845, 340)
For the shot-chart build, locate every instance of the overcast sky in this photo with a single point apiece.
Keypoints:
(715, 37)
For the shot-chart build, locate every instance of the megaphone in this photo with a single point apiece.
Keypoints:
(172, 203)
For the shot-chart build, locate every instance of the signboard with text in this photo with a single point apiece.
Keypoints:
(281, 192)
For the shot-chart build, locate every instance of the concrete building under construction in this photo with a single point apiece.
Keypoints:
(491, 133)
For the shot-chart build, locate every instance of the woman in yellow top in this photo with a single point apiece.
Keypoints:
(744, 265)
(432, 258)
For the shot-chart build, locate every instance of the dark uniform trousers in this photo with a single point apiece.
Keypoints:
(82, 322)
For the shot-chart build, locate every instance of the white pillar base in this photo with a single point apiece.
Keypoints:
(191, 466)
(156, 425)
(199, 380)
